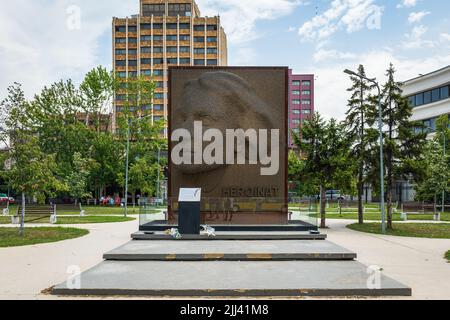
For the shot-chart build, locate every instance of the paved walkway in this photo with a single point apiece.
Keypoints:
(416, 262)
(26, 271)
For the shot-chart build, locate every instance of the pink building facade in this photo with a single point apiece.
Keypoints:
(301, 101)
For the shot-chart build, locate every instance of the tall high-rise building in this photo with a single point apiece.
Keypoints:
(165, 33)
(301, 101)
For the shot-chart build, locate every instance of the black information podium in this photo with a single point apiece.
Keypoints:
(189, 211)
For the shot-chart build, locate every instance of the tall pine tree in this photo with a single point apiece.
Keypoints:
(403, 146)
(356, 122)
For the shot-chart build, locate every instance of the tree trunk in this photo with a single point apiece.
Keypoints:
(360, 200)
(133, 194)
(22, 221)
(323, 203)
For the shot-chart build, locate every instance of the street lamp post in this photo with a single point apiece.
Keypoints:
(380, 128)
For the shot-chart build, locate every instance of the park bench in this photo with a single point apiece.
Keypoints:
(70, 207)
(35, 213)
(417, 208)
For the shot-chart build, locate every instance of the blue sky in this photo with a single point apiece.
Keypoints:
(311, 36)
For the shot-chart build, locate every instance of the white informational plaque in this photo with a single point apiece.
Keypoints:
(190, 195)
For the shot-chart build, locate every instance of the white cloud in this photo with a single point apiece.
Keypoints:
(415, 17)
(37, 47)
(414, 40)
(239, 17)
(322, 55)
(445, 37)
(407, 4)
(331, 84)
(351, 15)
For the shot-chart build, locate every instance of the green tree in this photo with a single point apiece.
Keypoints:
(327, 150)
(437, 173)
(359, 131)
(97, 91)
(403, 145)
(77, 180)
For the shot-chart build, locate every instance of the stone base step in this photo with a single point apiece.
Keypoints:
(232, 279)
(229, 251)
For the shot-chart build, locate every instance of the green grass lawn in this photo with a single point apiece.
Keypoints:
(447, 256)
(96, 210)
(77, 220)
(422, 230)
(9, 237)
(376, 216)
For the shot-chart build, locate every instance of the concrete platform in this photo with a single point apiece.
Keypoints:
(233, 235)
(231, 278)
(229, 251)
(293, 225)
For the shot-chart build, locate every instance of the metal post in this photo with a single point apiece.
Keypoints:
(22, 222)
(443, 191)
(126, 168)
(158, 181)
(380, 127)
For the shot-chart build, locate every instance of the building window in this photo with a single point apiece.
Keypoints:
(121, 40)
(158, 72)
(172, 61)
(199, 27)
(172, 26)
(132, 52)
(121, 63)
(157, 38)
(296, 112)
(296, 102)
(132, 63)
(158, 61)
(184, 37)
(158, 26)
(427, 97)
(159, 84)
(212, 62)
(296, 92)
(122, 74)
(211, 39)
(121, 52)
(146, 26)
(146, 50)
(306, 83)
(211, 27)
(158, 10)
(172, 49)
(180, 9)
(158, 107)
(146, 38)
(132, 74)
(132, 29)
(296, 121)
(419, 99)
(146, 61)
(185, 61)
(121, 29)
(185, 25)
(146, 72)
(199, 50)
(212, 50)
(306, 102)
(171, 37)
(306, 111)
(306, 92)
(158, 49)
(199, 62)
(296, 83)
(444, 92)
(184, 49)
(199, 39)
(158, 95)
(132, 40)
(158, 118)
